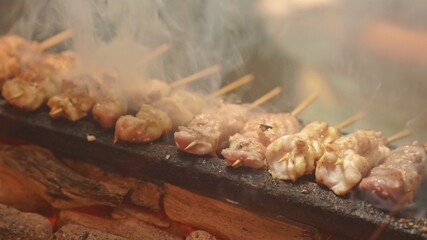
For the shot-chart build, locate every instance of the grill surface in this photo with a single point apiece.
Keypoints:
(304, 201)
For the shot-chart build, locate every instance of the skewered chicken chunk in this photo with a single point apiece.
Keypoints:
(159, 118)
(147, 92)
(209, 131)
(74, 102)
(349, 158)
(109, 109)
(292, 156)
(14, 53)
(111, 102)
(181, 106)
(394, 183)
(39, 81)
(250, 144)
(148, 125)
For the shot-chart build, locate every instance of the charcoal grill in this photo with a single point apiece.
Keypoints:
(255, 190)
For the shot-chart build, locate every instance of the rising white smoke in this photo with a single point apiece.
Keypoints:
(119, 34)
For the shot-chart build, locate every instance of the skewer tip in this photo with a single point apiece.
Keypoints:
(237, 163)
(284, 158)
(55, 112)
(399, 135)
(17, 95)
(192, 144)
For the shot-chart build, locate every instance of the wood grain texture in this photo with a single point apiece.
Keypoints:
(227, 221)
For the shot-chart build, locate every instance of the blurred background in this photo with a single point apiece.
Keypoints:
(361, 55)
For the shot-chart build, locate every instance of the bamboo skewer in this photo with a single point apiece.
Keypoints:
(305, 104)
(155, 53)
(195, 76)
(230, 87)
(54, 40)
(399, 135)
(266, 97)
(350, 120)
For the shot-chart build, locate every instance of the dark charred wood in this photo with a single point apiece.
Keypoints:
(78, 232)
(38, 169)
(18, 225)
(303, 201)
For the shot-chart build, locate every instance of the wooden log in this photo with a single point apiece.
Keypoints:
(131, 229)
(38, 169)
(16, 195)
(200, 235)
(18, 225)
(227, 221)
(144, 194)
(129, 213)
(78, 232)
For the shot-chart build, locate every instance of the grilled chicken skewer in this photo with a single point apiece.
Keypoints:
(209, 131)
(76, 99)
(152, 121)
(394, 183)
(39, 81)
(350, 158)
(247, 147)
(292, 156)
(111, 107)
(16, 52)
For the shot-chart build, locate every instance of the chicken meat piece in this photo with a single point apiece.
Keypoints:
(15, 52)
(292, 156)
(394, 183)
(39, 81)
(210, 130)
(107, 110)
(147, 92)
(181, 106)
(249, 145)
(73, 103)
(350, 158)
(148, 125)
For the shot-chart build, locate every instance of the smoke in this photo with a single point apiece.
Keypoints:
(117, 35)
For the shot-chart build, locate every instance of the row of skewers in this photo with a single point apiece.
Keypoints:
(205, 125)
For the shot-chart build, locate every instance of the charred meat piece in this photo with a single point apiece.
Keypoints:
(39, 81)
(15, 52)
(210, 130)
(292, 156)
(350, 158)
(394, 183)
(250, 143)
(148, 125)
